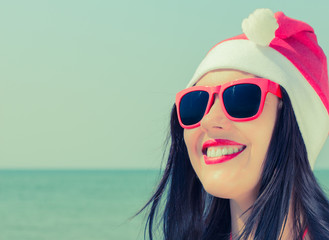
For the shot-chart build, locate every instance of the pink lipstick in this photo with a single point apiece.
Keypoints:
(221, 150)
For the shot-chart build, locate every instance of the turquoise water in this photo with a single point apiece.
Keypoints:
(84, 205)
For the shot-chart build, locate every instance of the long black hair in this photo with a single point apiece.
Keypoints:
(190, 213)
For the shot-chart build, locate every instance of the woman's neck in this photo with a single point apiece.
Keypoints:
(239, 215)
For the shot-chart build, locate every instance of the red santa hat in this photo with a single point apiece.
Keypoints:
(286, 51)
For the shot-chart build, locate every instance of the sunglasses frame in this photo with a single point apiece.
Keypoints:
(265, 86)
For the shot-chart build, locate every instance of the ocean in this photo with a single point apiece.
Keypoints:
(78, 204)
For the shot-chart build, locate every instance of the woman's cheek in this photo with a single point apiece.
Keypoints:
(193, 141)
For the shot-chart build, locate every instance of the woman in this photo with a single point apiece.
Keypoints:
(245, 134)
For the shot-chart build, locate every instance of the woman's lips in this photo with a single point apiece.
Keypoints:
(221, 150)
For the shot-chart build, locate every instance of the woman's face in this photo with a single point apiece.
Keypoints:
(238, 177)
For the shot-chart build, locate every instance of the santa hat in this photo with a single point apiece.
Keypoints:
(285, 51)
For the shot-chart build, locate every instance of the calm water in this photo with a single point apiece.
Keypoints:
(84, 205)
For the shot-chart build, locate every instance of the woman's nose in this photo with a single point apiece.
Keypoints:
(215, 119)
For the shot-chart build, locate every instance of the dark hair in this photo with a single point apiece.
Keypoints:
(287, 179)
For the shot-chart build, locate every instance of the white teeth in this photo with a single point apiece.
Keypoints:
(220, 151)
(230, 150)
(213, 153)
(224, 151)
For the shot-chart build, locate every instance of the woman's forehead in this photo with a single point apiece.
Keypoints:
(219, 77)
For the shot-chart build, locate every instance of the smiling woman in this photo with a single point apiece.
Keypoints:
(238, 175)
(245, 135)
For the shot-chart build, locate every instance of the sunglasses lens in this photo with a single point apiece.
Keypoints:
(193, 106)
(242, 100)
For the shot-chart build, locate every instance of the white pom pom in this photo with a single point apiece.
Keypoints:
(260, 26)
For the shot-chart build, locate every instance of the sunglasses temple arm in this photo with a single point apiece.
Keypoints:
(275, 89)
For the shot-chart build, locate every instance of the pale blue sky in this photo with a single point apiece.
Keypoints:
(90, 84)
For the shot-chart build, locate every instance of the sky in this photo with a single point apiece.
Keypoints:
(90, 84)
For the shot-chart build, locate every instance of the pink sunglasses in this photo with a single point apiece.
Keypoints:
(241, 100)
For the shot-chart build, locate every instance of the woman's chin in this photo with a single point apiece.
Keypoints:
(216, 187)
